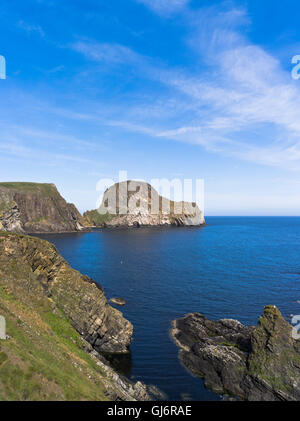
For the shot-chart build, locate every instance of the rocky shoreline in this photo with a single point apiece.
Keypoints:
(60, 326)
(118, 387)
(259, 363)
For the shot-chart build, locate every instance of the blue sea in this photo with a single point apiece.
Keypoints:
(230, 268)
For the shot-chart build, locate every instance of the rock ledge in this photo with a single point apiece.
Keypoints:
(251, 363)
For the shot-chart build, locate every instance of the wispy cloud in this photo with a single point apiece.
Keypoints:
(18, 150)
(243, 105)
(46, 144)
(103, 52)
(164, 7)
(31, 28)
(251, 102)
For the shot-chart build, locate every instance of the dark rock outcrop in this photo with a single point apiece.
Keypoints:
(119, 387)
(33, 207)
(118, 301)
(251, 363)
(34, 266)
(137, 204)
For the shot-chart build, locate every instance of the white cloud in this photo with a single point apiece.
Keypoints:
(248, 96)
(245, 107)
(103, 52)
(164, 7)
(243, 103)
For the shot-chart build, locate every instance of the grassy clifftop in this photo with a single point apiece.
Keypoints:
(94, 218)
(43, 188)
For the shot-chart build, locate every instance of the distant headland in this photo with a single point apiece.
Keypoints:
(39, 208)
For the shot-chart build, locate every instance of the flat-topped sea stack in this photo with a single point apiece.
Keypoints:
(35, 207)
(137, 204)
(259, 363)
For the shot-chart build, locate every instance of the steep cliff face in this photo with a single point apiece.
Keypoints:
(33, 207)
(134, 204)
(252, 363)
(34, 265)
(57, 322)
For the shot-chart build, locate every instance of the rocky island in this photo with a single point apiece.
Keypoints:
(251, 363)
(39, 208)
(59, 325)
(36, 207)
(136, 204)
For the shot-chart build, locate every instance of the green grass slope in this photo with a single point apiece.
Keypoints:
(43, 188)
(43, 358)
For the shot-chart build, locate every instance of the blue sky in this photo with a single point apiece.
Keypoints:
(160, 88)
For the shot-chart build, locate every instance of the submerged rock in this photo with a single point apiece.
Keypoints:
(118, 301)
(251, 363)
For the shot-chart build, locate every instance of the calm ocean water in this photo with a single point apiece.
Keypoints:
(230, 268)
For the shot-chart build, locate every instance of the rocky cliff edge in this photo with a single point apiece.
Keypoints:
(34, 207)
(251, 363)
(58, 325)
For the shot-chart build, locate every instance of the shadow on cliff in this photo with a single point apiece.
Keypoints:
(121, 363)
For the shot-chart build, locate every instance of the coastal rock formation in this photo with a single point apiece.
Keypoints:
(10, 218)
(33, 207)
(59, 325)
(251, 363)
(28, 264)
(118, 301)
(135, 204)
